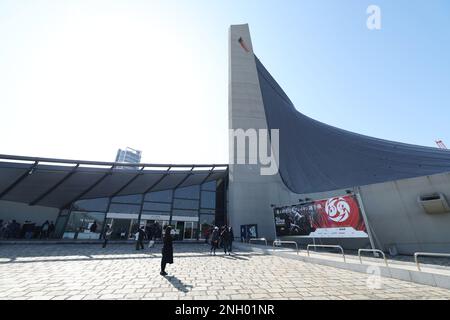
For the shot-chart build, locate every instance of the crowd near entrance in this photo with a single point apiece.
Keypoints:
(125, 229)
(190, 211)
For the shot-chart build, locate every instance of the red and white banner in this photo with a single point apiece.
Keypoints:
(334, 217)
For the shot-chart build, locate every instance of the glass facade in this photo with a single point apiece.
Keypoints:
(84, 225)
(189, 210)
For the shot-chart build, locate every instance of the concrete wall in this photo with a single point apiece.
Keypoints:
(397, 219)
(21, 212)
(392, 209)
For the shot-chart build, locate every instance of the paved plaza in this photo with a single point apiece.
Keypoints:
(73, 271)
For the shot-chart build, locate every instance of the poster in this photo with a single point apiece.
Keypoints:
(337, 217)
(249, 231)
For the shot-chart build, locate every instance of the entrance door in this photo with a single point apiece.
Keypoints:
(120, 228)
(188, 230)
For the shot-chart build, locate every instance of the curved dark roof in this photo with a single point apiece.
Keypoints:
(317, 157)
(58, 183)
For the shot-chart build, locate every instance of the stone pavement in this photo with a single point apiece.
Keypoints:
(119, 272)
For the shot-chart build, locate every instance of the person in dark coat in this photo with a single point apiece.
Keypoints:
(167, 251)
(225, 237)
(149, 231)
(140, 236)
(93, 227)
(230, 244)
(215, 236)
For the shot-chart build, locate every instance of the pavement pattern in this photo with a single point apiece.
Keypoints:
(73, 271)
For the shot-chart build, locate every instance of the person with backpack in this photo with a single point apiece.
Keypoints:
(167, 250)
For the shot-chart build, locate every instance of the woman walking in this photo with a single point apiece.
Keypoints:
(167, 251)
(214, 240)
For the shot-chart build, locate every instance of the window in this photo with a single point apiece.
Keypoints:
(135, 198)
(208, 199)
(192, 192)
(207, 219)
(152, 206)
(124, 208)
(122, 229)
(99, 204)
(185, 204)
(160, 196)
(84, 225)
(210, 186)
(207, 211)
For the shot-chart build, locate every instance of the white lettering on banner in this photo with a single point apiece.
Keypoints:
(346, 232)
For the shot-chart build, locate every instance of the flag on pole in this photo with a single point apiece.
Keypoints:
(243, 45)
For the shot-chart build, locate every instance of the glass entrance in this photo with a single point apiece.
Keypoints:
(190, 230)
(122, 229)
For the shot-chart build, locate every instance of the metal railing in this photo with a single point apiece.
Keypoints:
(258, 239)
(372, 250)
(428, 254)
(108, 164)
(325, 246)
(280, 242)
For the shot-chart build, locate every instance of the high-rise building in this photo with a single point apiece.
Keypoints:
(128, 155)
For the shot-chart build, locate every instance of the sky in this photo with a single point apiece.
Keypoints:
(80, 79)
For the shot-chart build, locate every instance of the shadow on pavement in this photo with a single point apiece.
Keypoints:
(178, 284)
(236, 257)
(86, 257)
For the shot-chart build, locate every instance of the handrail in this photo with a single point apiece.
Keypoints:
(103, 163)
(325, 246)
(258, 239)
(286, 242)
(372, 250)
(429, 254)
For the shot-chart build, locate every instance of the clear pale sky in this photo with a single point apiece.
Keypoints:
(80, 79)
